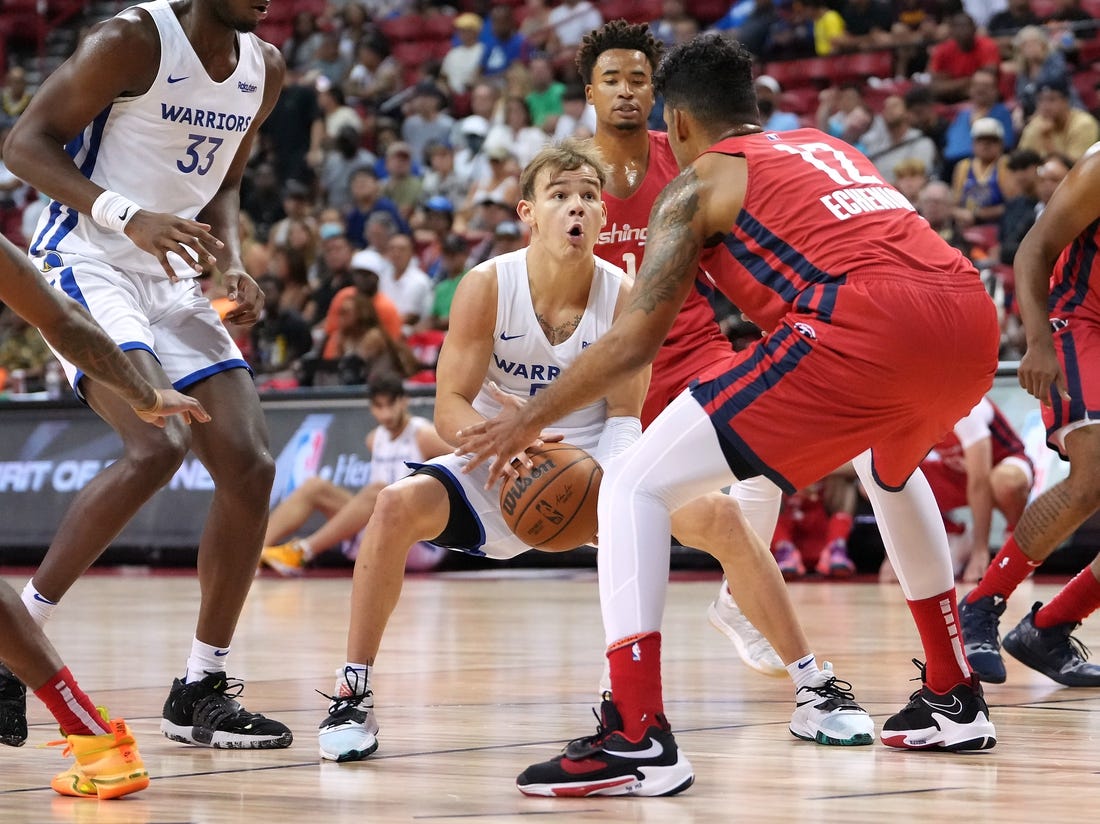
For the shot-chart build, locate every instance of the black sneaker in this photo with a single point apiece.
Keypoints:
(958, 720)
(982, 638)
(1052, 651)
(608, 763)
(206, 713)
(13, 709)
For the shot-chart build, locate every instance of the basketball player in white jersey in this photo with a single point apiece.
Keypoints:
(141, 139)
(516, 322)
(106, 755)
(399, 439)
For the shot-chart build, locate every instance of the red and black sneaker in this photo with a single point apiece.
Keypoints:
(609, 763)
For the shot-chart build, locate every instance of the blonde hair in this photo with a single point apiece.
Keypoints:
(566, 155)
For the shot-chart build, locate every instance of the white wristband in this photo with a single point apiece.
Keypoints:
(112, 211)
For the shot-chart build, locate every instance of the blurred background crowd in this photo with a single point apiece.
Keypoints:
(390, 166)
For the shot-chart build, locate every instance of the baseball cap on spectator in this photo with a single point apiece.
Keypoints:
(468, 20)
(508, 229)
(768, 82)
(987, 127)
(331, 230)
(475, 125)
(439, 203)
(498, 151)
(1057, 83)
(455, 244)
(296, 189)
(367, 260)
(399, 148)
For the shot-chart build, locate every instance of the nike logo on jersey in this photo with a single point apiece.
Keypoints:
(177, 79)
(652, 751)
(506, 336)
(950, 709)
(223, 652)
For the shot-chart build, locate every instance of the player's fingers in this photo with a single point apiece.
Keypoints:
(168, 270)
(186, 254)
(550, 437)
(202, 232)
(1063, 389)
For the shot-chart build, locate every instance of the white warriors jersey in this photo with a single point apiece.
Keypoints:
(525, 361)
(168, 150)
(387, 458)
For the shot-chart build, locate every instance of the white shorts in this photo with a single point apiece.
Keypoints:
(174, 322)
(495, 540)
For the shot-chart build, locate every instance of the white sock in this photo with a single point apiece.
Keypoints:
(804, 671)
(38, 605)
(352, 679)
(307, 550)
(204, 659)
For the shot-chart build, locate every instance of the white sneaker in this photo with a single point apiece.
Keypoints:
(828, 714)
(350, 732)
(754, 649)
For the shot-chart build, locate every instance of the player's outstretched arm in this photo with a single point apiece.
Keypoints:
(72, 332)
(1074, 206)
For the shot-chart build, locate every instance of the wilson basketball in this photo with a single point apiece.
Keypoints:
(554, 506)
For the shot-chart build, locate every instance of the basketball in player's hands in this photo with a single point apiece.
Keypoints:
(553, 505)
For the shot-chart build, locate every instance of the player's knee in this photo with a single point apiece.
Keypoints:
(246, 468)
(158, 457)
(1084, 489)
(394, 512)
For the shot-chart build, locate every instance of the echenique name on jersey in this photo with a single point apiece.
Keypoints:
(205, 118)
(847, 203)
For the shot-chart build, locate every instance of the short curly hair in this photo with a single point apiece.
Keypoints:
(617, 34)
(711, 78)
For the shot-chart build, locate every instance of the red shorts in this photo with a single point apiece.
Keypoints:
(1077, 343)
(888, 362)
(675, 367)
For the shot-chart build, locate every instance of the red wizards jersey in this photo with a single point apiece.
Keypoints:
(769, 264)
(1072, 289)
(695, 346)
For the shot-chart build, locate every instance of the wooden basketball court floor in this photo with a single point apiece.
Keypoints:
(482, 674)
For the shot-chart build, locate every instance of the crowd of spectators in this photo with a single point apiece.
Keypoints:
(390, 165)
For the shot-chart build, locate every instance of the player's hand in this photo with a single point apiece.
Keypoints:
(1039, 371)
(502, 439)
(975, 567)
(170, 402)
(249, 297)
(160, 234)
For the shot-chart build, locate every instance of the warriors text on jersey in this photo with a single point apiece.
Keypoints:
(695, 344)
(524, 360)
(168, 149)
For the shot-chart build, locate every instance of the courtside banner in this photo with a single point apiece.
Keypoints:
(48, 453)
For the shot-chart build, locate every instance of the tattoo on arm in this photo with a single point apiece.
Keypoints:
(560, 332)
(672, 244)
(85, 344)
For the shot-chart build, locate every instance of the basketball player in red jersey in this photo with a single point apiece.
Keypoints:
(868, 308)
(617, 62)
(1061, 315)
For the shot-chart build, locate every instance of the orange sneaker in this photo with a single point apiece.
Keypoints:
(107, 766)
(287, 559)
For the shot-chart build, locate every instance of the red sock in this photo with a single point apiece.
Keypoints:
(636, 681)
(937, 621)
(784, 529)
(840, 527)
(69, 704)
(1074, 602)
(1007, 572)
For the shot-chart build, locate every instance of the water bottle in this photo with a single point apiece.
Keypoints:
(54, 380)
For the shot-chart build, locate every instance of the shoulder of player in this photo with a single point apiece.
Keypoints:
(708, 193)
(275, 63)
(476, 293)
(129, 37)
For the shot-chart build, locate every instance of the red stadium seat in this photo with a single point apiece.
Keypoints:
(403, 28)
(707, 11)
(862, 65)
(1088, 51)
(792, 74)
(438, 27)
(1092, 7)
(983, 236)
(801, 101)
(1043, 9)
